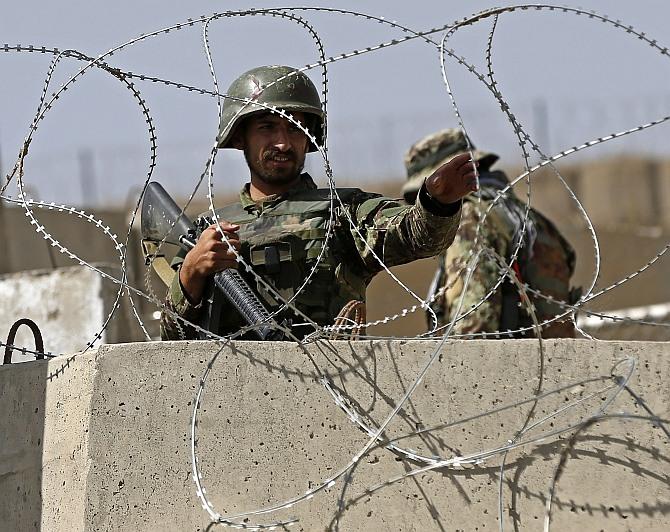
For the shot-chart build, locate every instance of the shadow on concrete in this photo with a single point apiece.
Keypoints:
(641, 467)
(651, 466)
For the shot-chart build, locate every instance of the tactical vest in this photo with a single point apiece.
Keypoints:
(282, 241)
(545, 261)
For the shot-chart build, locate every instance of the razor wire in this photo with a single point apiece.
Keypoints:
(436, 39)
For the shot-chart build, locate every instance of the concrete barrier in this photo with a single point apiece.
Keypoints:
(44, 457)
(101, 440)
(25, 249)
(69, 305)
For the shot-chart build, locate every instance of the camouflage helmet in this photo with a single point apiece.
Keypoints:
(431, 152)
(294, 92)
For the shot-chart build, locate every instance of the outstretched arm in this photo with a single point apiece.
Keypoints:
(399, 233)
(453, 180)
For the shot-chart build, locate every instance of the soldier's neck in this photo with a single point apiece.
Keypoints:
(259, 190)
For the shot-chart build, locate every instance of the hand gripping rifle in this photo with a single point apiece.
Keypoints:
(164, 221)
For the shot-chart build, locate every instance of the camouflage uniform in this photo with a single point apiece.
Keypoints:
(293, 227)
(545, 260)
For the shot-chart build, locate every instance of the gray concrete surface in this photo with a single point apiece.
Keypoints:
(100, 441)
(45, 414)
(69, 305)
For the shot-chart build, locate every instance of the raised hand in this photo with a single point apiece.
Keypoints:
(453, 180)
(210, 255)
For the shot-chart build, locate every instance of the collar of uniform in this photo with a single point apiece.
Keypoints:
(306, 183)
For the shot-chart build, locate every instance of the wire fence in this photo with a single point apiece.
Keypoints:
(358, 152)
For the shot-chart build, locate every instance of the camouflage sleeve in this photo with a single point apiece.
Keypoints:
(486, 317)
(399, 233)
(177, 302)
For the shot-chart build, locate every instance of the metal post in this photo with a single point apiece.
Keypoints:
(541, 125)
(87, 179)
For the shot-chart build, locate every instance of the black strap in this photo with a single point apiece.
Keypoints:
(37, 335)
(509, 315)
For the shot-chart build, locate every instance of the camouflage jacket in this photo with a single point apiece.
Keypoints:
(294, 225)
(546, 262)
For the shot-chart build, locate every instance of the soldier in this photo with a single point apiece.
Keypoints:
(545, 260)
(280, 224)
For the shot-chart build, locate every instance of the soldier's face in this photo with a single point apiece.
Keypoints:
(273, 147)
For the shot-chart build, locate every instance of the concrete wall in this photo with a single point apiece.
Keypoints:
(113, 452)
(45, 411)
(69, 305)
(609, 197)
(27, 250)
(622, 191)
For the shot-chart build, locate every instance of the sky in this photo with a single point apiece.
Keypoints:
(567, 78)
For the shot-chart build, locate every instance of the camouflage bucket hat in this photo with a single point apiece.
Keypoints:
(293, 92)
(431, 152)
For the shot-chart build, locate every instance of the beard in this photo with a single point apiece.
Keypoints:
(266, 171)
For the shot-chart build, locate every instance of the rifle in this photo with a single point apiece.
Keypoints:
(164, 221)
